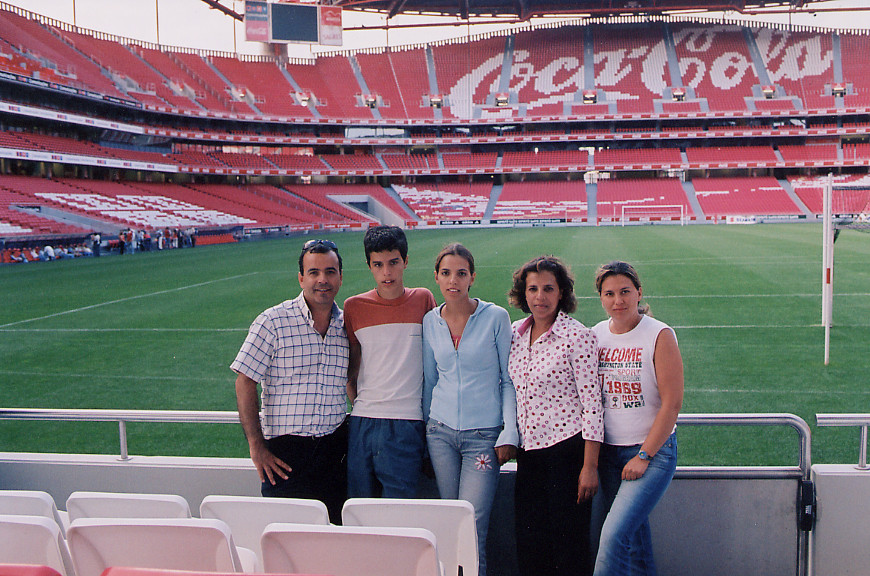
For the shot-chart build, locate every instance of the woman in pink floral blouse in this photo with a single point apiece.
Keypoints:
(554, 366)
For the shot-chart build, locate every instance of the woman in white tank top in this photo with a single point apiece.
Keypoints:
(641, 373)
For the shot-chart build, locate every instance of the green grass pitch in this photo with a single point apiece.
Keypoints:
(158, 330)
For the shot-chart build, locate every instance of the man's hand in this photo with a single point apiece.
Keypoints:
(268, 465)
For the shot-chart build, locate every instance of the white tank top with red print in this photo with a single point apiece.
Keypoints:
(628, 380)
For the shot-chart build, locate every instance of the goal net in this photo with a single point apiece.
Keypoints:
(646, 213)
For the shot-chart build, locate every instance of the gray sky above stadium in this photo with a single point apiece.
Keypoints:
(192, 23)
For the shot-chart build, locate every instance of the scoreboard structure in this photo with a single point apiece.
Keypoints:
(292, 22)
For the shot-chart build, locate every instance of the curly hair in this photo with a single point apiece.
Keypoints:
(553, 265)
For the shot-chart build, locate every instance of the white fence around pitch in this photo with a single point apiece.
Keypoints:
(713, 519)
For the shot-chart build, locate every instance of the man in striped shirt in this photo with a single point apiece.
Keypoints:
(297, 352)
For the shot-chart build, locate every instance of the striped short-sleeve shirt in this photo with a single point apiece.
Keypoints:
(303, 374)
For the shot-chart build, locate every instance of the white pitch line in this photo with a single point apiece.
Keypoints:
(790, 392)
(727, 296)
(111, 376)
(127, 299)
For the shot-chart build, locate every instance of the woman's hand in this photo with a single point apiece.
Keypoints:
(634, 469)
(587, 484)
(505, 453)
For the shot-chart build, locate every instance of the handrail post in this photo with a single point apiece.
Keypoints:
(862, 449)
(122, 431)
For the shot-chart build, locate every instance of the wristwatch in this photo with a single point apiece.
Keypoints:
(644, 456)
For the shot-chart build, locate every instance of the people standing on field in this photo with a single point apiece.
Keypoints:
(642, 383)
(469, 401)
(297, 352)
(554, 367)
(385, 384)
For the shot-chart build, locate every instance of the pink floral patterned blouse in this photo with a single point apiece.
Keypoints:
(556, 377)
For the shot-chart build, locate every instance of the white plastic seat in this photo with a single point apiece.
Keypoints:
(32, 503)
(348, 550)
(167, 543)
(125, 505)
(452, 522)
(248, 516)
(34, 540)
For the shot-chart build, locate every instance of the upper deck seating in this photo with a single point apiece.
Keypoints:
(352, 161)
(298, 162)
(715, 61)
(470, 161)
(468, 73)
(382, 80)
(243, 160)
(412, 77)
(38, 42)
(410, 161)
(547, 68)
(333, 84)
(265, 83)
(809, 153)
(446, 201)
(623, 157)
(655, 198)
(857, 152)
(854, 48)
(800, 62)
(631, 65)
(545, 199)
(549, 159)
(119, 60)
(749, 155)
(743, 197)
(196, 158)
(210, 83)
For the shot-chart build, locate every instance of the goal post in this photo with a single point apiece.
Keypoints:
(844, 206)
(652, 213)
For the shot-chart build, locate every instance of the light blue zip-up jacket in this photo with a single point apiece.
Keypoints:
(468, 387)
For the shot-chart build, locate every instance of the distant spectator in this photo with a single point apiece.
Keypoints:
(96, 239)
(17, 256)
(47, 254)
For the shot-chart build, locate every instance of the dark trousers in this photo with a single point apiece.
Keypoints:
(319, 469)
(552, 529)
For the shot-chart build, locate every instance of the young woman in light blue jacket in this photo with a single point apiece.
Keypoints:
(469, 401)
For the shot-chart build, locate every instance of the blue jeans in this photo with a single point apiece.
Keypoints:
(384, 457)
(466, 468)
(626, 541)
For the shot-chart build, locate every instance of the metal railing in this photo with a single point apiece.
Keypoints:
(862, 421)
(121, 417)
(226, 417)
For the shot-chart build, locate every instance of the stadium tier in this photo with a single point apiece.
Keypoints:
(637, 69)
(582, 123)
(651, 199)
(542, 200)
(720, 197)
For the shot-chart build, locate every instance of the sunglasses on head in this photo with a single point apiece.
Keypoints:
(325, 243)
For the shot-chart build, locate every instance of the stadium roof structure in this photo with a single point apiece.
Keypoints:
(524, 9)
